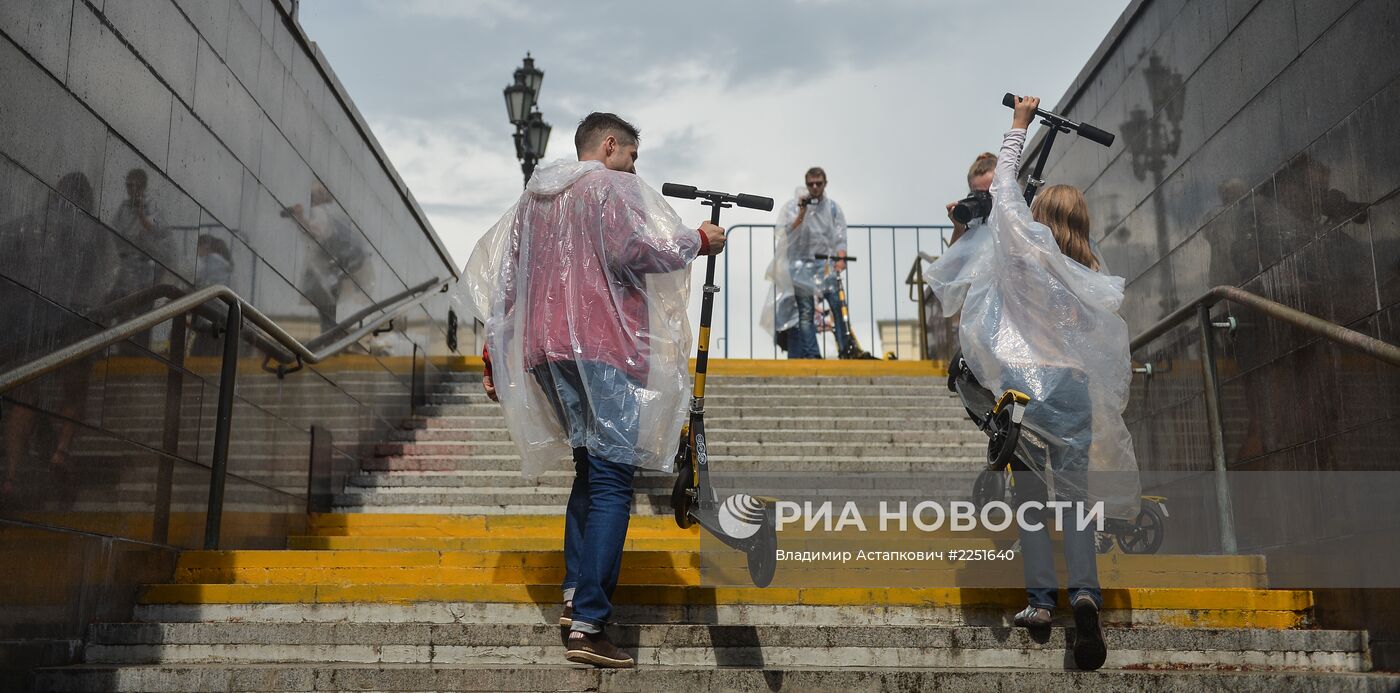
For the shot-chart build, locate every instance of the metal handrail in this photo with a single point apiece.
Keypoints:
(403, 296)
(238, 308)
(1331, 331)
(915, 282)
(1200, 307)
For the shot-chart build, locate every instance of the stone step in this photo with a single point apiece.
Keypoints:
(712, 645)
(848, 447)
(482, 503)
(1178, 607)
(960, 481)
(720, 380)
(555, 676)
(777, 400)
(544, 610)
(337, 524)
(650, 499)
(944, 430)
(682, 566)
(827, 408)
(721, 421)
(715, 388)
(971, 459)
(553, 543)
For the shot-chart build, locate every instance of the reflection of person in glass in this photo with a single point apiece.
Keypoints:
(92, 264)
(138, 219)
(331, 227)
(213, 266)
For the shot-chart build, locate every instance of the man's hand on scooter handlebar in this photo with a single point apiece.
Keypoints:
(714, 236)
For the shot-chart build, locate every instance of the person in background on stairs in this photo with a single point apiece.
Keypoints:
(810, 224)
(584, 289)
(1040, 315)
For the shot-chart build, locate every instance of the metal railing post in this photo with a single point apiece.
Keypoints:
(1224, 505)
(222, 423)
(170, 435)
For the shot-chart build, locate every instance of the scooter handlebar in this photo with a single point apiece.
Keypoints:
(677, 190)
(1085, 130)
(764, 204)
(689, 192)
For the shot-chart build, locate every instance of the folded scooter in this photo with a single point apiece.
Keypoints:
(742, 522)
(853, 349)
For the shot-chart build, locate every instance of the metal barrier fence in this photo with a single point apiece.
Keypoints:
(876, 291)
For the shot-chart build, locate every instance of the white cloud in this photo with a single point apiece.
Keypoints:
(456, 172)
(488, 12)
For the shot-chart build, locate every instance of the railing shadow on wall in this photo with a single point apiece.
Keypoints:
(224, 311)
(1216, 476)
(1207, 328)
(875, 293)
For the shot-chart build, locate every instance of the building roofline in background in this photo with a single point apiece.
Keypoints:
(323, 65)
(1076, 88)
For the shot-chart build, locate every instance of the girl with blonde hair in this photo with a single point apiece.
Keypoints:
(1039, 315)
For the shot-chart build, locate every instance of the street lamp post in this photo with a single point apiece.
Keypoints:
(522, 107)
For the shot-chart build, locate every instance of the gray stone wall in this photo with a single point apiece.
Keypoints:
(182, 143)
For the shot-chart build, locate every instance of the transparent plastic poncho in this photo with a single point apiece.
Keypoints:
(794, 269)
(1037, 321)
(583, 287)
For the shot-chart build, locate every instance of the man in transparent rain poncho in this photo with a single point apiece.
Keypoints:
(809, 225)
(584, 291)
(1039, 315)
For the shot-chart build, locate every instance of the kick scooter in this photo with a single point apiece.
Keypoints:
(742, 521)
(853, 349)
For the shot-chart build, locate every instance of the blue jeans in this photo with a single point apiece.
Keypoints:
(1069, 400)
(596, 404)
(595, 530)
(806, 347)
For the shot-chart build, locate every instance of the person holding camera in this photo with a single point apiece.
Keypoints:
(809, 225)
(1040, 315)
(973, 209)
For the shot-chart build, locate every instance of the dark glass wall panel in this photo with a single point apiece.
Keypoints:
(148, 149)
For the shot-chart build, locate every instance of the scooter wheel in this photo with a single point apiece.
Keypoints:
(990, 486)
(1147, 533)
(1001, 447)
(763, 558)
(682, 500)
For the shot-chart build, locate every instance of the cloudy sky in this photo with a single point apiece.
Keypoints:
(893, 97)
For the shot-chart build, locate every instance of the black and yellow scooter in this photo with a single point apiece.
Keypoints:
(853, 349)
(742, 522)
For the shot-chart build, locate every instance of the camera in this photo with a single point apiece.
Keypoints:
(976, 205)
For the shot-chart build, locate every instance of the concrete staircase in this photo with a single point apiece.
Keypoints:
(441, 572)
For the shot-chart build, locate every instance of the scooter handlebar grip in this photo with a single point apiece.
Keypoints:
(754, 202)
(678, 190)
(1094, 134)
(1009, 100)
